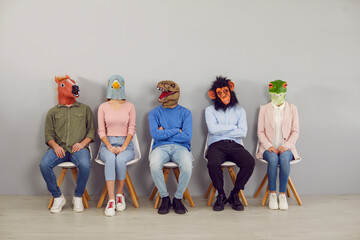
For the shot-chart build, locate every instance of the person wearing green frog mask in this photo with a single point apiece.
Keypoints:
(278, 131)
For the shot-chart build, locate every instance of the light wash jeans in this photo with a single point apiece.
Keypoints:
(116, 164)
(283, 161)
(177, 154)
(82, 161)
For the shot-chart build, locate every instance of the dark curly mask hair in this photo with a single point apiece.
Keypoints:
(219, 83)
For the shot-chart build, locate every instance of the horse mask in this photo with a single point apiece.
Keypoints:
(116, 88)
(170, 93)
(277, 90)
(222, 93)
(67, 90)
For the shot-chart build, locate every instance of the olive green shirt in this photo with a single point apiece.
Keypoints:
(69, 125)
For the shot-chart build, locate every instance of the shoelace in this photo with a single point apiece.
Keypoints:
(111, 204)
(119, 199)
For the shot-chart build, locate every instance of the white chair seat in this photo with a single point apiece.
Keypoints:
(291, 162)
(228, 164)
(67, 165)
(170, 165)
(127, 164)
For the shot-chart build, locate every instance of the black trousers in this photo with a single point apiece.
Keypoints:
(227, 150)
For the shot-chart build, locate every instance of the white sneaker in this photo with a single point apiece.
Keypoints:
(78, 204)
(283, 202)
(110, 208)
(58, 203)
(120, 202)
(273, 203)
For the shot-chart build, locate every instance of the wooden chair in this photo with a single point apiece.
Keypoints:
(265, 179)
(166, 170)
(128, 181)
(229, 165)
(64, 167)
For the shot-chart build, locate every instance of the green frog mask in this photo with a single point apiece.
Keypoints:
(277, 90)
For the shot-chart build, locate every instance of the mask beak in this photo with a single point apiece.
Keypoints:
(116, 84)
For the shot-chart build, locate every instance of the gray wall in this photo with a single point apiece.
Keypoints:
(314, 45)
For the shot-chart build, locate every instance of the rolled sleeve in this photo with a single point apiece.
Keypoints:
(49, 128)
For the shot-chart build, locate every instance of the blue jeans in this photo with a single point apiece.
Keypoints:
(283, 162)
(116, 164)
(82, 161)
(177, 154)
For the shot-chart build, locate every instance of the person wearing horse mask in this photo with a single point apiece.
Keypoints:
(171, 129)
(278, 131)
(116, 122)
(227, 126)
(69, 128)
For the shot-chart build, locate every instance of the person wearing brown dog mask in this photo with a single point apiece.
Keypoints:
(171, 128)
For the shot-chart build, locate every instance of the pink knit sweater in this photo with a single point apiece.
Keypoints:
(116, 122)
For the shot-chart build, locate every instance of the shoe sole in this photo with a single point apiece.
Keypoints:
(109, 215)
(120, 209)
(57, 211)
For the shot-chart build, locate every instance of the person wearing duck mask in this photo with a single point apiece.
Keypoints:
(227, 126)
(116, 128)
(171, 128)
(278, 131)
(69, 128)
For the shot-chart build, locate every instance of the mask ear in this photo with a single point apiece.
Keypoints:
(211, 94)
(231, 85)
(56, 79)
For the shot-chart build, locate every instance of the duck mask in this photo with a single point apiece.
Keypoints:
(170, 93)
(222, 93)
(67, 90)
(116, 88)
(277, 90)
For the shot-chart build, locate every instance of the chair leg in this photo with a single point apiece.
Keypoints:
(294, 191)
(288, 190)
(153, 194)
(166, 174)
(265, 195)
(85, 202)
(209, 190)
(211, 197)
(132, 186)
(102, 197)
(186, 193)
(261, 186)
(59, 183)
(131, 190)
(233, 178)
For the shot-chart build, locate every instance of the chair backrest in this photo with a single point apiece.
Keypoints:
(137, 152)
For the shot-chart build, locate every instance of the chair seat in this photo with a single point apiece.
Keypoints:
(291, 162)
(67, 165)
(127, 164)
(228, 164)
(170, 165)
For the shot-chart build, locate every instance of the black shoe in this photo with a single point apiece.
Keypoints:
(235, 203)
(165, 205)
(220, 202)
(178, 206)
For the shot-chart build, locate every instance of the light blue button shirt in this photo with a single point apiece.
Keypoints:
(226, 125)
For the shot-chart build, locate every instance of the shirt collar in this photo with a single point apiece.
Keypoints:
(281, 107)
(75, 104)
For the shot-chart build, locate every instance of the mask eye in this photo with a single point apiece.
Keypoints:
(271, 85)
(172, 85)
(62, 85)
(285, 85)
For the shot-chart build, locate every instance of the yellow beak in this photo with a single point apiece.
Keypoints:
(116, 84)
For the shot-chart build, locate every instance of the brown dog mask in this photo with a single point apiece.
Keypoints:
(170, 93)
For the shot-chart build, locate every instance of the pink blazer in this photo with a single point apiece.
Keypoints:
(266, 128)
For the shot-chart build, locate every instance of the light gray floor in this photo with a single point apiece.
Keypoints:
(320, 217)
